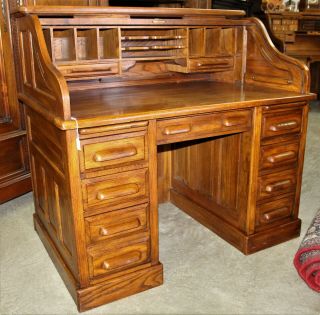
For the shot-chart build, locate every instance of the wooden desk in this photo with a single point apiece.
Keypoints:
(127, 108)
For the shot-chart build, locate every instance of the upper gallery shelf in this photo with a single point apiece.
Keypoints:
(102, 51)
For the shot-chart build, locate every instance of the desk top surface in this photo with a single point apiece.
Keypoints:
(122, 104)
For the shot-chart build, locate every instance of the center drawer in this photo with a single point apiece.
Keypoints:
(193, 127)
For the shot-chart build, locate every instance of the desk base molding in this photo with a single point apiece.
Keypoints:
(120, 287)
(104, 292)
(247, 244)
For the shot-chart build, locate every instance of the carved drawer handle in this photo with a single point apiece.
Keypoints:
(104, 231)
(118, 191)
(158, 21)
(114, 154)
(123, 260)
(174, 130)
(121, 226)
(232, 121)
(281, 157)
(278, 213)
(105, 265)
(279, 185)
(284, 125)
(199, 64)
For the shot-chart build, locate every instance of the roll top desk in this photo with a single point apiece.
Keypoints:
(127, 108)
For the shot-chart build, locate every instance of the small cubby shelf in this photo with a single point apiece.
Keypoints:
(210, 49)
(87, 44)
(78, 51)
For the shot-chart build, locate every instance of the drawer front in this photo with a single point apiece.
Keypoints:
(116, 223)
(210, 64)
(126, 149)
(276, 184)
(275, 210)
(118, 258)
(279, 155)
(117, 188)
(173, 130)
(275, 124)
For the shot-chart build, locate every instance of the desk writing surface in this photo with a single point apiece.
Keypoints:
(167, 100)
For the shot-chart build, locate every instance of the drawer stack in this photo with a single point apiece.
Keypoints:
(279, 165)
(115, 185)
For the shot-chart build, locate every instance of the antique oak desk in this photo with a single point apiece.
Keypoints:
(129, 107)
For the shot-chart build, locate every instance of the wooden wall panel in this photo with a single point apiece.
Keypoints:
(14, 168)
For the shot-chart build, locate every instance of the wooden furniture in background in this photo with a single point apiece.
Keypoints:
(245, 5)
(202, 4)
(14, 166)
(297, 34)
(127, 108)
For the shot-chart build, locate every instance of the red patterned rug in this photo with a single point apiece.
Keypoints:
(307, 259)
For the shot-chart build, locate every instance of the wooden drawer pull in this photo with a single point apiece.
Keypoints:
(223, 63)
(275, 214)
(118, 191)
(174, 130)
(128, 224)
(281, 157)
(105, 265)
(114, 154)
(284, 125)
(104, 231)
(278, 186)
(123, 260)
(233, 121)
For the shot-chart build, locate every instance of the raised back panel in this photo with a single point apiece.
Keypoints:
(219, 182)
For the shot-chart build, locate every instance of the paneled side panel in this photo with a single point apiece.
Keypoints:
(47, 145)
(26, 58)
(49, 174)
